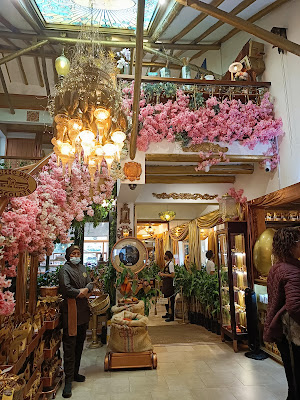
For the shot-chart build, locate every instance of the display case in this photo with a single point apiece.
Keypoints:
(234, 278)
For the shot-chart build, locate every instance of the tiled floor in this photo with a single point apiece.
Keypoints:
(185, 372)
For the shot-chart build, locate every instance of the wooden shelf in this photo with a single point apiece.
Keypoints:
(281, 224)
(33, 344)
(39, 392)
(33, 377)
(49, 325)
(49, 353)
(47, 381)
(197, 81)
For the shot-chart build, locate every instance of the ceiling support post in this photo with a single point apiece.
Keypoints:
(137, 77)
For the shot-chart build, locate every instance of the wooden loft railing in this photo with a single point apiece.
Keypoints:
(200, 82)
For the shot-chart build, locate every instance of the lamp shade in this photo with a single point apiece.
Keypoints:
(167, 215)
(118, 137)
(62, 65)
(235, 67)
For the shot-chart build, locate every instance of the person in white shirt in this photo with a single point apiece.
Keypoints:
(168, 276)
(210, 265)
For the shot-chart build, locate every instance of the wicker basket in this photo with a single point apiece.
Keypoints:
(100, 304)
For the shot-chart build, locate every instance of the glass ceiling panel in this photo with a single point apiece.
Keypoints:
(106, 13)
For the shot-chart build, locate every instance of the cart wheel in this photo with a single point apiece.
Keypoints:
(154, 360)
(106, 362)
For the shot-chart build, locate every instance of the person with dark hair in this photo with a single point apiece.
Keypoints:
(168, 276)
(282, 324)
(210, 265)
(75, 286)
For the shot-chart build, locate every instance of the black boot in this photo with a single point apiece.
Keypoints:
(67, 392)
(165, 316)
(79, 378)
(170, 319)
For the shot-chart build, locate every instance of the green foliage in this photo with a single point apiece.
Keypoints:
(167, 89)
(198, 285)
(196, 101)
(49, 278)
(183, 138)
(100, 215)
(149, 273)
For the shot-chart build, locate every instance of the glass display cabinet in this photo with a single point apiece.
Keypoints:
(234, 278)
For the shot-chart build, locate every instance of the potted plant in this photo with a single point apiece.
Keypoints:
(48, 283)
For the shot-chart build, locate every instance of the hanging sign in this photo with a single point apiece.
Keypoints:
(14, 183)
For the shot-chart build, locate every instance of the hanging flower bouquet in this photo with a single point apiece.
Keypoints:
(34, 222)
(224, 121)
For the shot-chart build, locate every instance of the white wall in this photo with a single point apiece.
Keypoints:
(283, 73)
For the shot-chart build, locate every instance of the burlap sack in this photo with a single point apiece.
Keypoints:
(129, 335)
(138, 308)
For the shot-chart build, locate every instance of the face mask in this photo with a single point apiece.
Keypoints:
(75, 260)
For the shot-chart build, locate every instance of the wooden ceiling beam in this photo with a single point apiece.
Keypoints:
(25, 102)
(194, 158)
(29, 19)
(109, 43)
(19, 61)
(137, 77)
(166, 22)
(228, 169)
(29, 128)
(38, 71)
(45, 73)
(175, 60)
(7, 96)
(8, 24)
(158, 17)
(189, 179)
(239, 8)
(262, 13)
(195, 22)
(244, 25)
(159, 65)
(175, 10)
(18, 53)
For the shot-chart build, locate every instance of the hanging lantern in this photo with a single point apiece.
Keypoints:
(167, 215)
(228, 208)
(62, 65)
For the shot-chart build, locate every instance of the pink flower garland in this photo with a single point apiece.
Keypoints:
(32, 223)
(222, 121)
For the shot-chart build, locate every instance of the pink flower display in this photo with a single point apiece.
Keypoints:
(218, 121)
(34, 222)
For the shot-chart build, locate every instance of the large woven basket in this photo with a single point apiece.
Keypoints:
(100, 304)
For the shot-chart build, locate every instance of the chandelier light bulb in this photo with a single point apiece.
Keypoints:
(75, 124)
(87, 137)
(101, 114)
(62, 65)
(65, 149)
(99, 150)
(118, 137)
(109, 149)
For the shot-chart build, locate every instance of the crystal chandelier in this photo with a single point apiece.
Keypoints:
(167, 215)
(88, 120)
